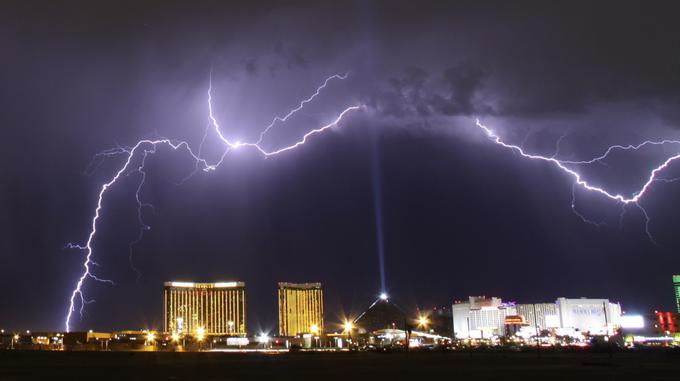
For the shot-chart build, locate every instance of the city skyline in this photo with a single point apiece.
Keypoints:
(301, 310)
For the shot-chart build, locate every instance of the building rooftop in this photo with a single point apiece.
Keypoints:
(382, 314)
(299, 285)
(205, 285)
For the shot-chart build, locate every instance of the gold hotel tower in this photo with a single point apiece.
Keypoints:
(218, 308)
(300, 308)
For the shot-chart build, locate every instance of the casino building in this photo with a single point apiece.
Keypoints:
(216, 308)
(300, 308)
(483, 317)
(383, 314)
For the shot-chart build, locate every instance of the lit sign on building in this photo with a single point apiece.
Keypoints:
(632, 321)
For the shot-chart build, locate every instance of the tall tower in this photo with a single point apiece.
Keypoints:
(300, 308)
(676, 286)
(216, 308)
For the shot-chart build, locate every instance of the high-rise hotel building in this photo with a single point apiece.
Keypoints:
(217, 308)
(300, 308)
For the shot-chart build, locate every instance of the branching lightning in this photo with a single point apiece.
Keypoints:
(569, 167)
(141, 151)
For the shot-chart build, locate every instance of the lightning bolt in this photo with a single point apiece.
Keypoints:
(568, 167)
(145, 147)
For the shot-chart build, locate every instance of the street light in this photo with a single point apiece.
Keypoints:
(423, 322)
(15, 339)
(200, 333)
(263, 339)
(315, 331)
(150, 337)
(231, 326)
(348, 326)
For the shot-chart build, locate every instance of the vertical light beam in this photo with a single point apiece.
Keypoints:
(376, 177)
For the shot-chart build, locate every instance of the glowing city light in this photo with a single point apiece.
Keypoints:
(632, 321)
(422, 321)
(226, 284)
(383, 296)
(348, 326)
(200, 333)
(135, 160)
(182, 284)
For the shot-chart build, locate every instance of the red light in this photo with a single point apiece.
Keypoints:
(671, 325)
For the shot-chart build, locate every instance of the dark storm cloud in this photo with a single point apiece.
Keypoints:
(251, 66)
(667, 108)
(551, 60)
(291, 57)
(407, 94)
(463, 82)
(415, 92)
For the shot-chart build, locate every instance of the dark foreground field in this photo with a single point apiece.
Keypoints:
(337, 366)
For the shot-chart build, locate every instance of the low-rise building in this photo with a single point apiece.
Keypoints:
(595, 316)
(480, 317)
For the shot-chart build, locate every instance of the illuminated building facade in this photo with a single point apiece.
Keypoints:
(540, 315)
(676, 286)
(216, 308)
(481, 317)
(300, 308)
(666, 322)
(596, 316)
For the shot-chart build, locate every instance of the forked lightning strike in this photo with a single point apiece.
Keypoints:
(565, 166)
(146, 146)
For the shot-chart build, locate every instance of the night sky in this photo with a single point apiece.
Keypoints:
(460, 215)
